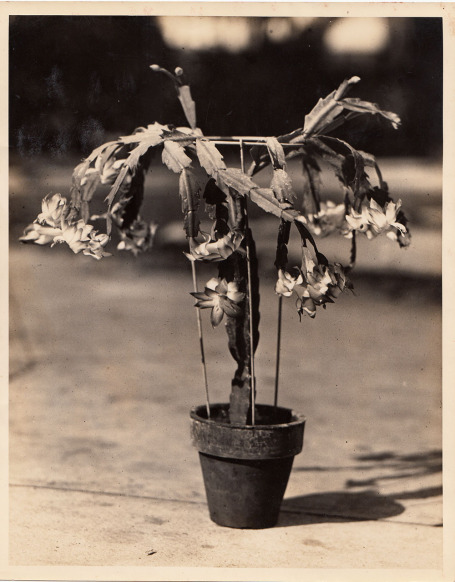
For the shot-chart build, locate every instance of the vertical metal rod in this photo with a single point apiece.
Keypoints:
(201, 342)
(252, 369)
(250, 304)
(242, 157)
(278, 348)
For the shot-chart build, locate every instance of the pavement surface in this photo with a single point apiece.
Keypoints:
(104, 368)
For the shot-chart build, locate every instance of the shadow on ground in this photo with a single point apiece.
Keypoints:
(395, 466)
(365, 505)
(338, 506)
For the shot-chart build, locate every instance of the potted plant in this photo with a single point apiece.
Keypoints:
(246, 449)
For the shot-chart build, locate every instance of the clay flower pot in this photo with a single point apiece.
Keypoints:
(246, 468)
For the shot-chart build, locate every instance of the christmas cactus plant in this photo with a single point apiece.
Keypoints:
(232, 294)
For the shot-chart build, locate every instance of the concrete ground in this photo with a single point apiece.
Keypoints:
(105, 367)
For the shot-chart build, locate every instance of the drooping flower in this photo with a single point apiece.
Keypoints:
(104, 171)
(307, 305)
(315, 283)
(53, 226)
(374, 220)
(49, 223)
(322, 284)
(82, 237)
(53, 211)
(382, 220)
(138, 237)
(39, 235)
(96, 244)
(222, 297)
(403, 238)
(358, 221)
(215, 250)
(110, 170)
(330, 218)
(75, 236)
(287, 280)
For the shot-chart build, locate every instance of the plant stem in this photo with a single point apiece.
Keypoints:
(251, 315)
(250, 299)
(353, 255)
(379, 175)
(278, 347)
(330, 104)
(201, 341)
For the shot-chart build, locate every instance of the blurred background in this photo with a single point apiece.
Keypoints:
(75, 80)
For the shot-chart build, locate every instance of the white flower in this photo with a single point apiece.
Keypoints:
(96, 245)
(40, 235)
(76, 236)
(374, 220)
(221, 297)
(215, 250)
(358, 221)
(287, 280)
(383, 220)
(111, 169)
(314, 284)
(82, 237)
(53, 210)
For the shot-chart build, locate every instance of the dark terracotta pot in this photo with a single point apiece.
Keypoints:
(246, 468)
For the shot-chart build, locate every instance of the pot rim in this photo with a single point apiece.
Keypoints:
(297, 417)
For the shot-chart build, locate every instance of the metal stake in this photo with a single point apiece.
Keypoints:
(278, 347)
(201, 342)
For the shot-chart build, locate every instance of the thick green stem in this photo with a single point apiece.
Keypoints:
(242, 330)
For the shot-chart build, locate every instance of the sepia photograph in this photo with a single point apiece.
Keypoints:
(225, 291)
